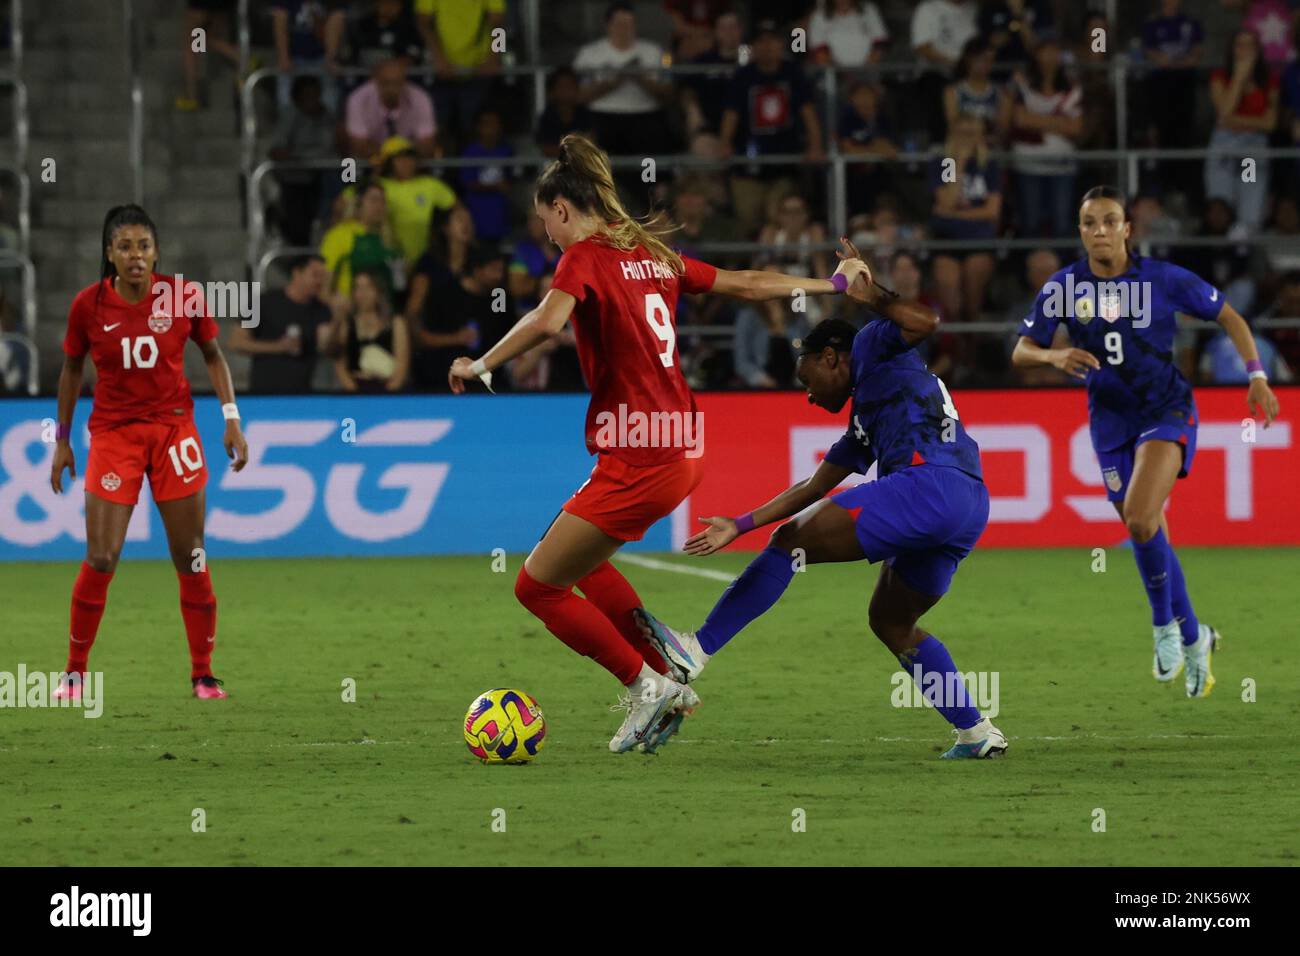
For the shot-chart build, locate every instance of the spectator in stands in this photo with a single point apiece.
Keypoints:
(1012, 27)
(847, 33)
(908, 278)
(863, 131)
(535, 252)
(374, 346)
(1152, 229)
(1046, 121)
(467, 318)
(700, 222)
(564, 113)
(769, 111)
(967, 188)
(411, 196)
(214, 17)
(940, 29)
(973, 92)
(704, 96)
(693, 25)
(1245, 97)
(308, 35)
(1094, 80)
(451, 235)
(487, 188)
(763, 344)
(1173, 44)
(1286, 305)
(1272, 22)
(388, 30)
(1040, 266)
(621, 88)
(790, 242)
(386, 106)
(553, 365)
(1290, 100)
(1221, 365)
(459, 35)
(1284, 256)
(364, 243)
(293, 329)
(306, 131)
(1229, 266)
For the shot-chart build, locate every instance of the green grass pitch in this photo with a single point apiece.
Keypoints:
(796, 716)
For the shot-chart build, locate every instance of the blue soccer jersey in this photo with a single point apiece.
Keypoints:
(1128, 323)
(902, 415)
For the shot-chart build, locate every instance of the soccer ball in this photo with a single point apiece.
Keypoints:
(504, 726)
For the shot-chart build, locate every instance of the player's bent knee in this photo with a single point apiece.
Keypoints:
(532, 593)
(103, 561)
(1142, 528)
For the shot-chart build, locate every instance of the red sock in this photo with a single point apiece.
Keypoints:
(610, 591)
(580, 624)
(199, 610)
(89, 594)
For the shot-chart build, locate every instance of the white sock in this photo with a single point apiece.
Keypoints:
(975, 732)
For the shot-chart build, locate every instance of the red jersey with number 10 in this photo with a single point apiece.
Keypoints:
(626, 329)
(138, 349)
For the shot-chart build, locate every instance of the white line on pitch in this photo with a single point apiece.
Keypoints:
(656, 565)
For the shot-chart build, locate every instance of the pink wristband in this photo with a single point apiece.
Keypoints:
(745, 522)
(840, 281)
(62, 432)
(1254, 365)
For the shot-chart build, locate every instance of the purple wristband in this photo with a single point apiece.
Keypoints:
(745, 522)
(840, 281)
(62, 432)
(1254, 365)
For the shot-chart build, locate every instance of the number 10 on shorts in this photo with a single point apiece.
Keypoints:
(186, 455)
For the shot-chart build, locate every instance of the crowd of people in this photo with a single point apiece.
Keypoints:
(422, 260)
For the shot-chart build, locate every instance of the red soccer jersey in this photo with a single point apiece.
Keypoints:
(626, 329)
(138, 350)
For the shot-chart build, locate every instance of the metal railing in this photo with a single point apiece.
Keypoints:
(135, 134)
(23, 263)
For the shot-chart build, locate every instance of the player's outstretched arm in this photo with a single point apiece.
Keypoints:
(1260, 399)
(722, 531)
(224, 386)
(74, 368)
(760, 285)
(1071, 361)
(531, 330)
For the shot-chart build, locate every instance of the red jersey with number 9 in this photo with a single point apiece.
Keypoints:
(626, 329)
(138, 350)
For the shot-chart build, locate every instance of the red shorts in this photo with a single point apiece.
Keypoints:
(169, 454)
(624, 500)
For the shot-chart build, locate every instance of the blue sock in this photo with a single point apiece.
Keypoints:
(747, 597)
(1153, 564)
(1180, 602)
(945, 688)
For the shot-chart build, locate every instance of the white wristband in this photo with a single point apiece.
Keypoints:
(477, 367)
(1260, 373)
(230, 410)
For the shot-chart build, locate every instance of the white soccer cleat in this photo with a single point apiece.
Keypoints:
(1199, 679)
(680, 649)
(1169, 652)
(672, 721)
(647, 701)
(981, 742)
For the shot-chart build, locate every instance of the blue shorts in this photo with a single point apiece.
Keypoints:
(1178, 425)
(922, 521)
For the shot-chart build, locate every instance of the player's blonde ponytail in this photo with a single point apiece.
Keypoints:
(582, 175)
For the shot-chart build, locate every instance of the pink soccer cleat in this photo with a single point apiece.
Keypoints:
(208, 688)
(69, 687)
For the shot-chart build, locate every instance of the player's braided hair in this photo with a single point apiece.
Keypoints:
(117, 217)
(582, 175)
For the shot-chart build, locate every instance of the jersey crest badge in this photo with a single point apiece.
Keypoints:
(111, 481)
(1108, 304)
(1083, 310)
(160, 322)
(1113, 480)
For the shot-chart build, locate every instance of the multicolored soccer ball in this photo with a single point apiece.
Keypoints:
(504, 726)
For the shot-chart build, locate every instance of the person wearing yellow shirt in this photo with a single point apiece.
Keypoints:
(412, 196)
(458, 35)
